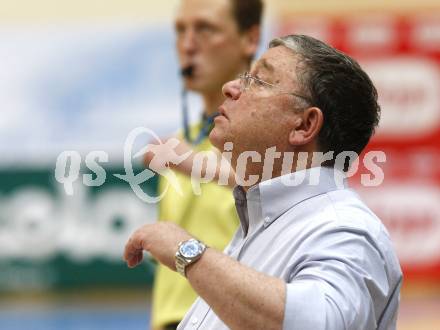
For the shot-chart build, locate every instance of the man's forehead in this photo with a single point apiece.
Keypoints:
(275, 59)
(203, 9)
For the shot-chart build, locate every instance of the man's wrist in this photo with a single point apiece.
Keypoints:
(188, 252)
(196, 265)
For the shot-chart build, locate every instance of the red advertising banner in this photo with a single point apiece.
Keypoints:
(402, 56)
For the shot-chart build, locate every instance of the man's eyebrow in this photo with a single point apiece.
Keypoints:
(262, 63)
(267, 65)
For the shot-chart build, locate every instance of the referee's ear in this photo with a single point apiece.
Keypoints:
(250, 40)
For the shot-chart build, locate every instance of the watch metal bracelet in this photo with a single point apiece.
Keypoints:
(180, 264)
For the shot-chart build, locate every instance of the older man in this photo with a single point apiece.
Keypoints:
(308, 254)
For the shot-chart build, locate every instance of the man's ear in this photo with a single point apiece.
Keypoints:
(307, 126)
(251, 40)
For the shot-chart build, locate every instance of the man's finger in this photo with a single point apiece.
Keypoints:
(133, 247)
(135, 260)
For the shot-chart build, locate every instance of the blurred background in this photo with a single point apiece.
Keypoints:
(80, 75)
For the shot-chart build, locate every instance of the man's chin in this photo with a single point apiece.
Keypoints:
(217, 139)
(195, 85)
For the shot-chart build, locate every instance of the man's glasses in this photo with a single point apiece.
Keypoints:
(248, 82)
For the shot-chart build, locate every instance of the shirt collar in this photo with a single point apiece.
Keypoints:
(274, 197)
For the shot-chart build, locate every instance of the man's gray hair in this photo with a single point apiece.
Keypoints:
(336, 84)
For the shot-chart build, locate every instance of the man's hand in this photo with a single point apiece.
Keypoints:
(161, 240)
(172, 153)
(177, 154)
(242, 297)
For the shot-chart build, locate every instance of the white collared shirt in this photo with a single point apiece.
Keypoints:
(334, 254)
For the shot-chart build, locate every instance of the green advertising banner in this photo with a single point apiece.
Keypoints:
(50, 240)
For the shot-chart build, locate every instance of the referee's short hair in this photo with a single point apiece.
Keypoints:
(247, 13)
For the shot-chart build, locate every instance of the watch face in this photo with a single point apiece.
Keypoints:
(190, 249)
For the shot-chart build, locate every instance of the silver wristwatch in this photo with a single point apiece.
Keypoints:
(187, 253)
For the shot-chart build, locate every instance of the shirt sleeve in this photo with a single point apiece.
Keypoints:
(304, 301)
(339, 283)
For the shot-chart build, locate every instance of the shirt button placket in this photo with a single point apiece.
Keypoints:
(194, 321)
(266, 221)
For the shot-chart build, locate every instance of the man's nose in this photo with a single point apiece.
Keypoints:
(188, 41)
(232, 89)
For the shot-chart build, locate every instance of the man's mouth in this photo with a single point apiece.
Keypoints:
(187, 71)
(221, 111)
